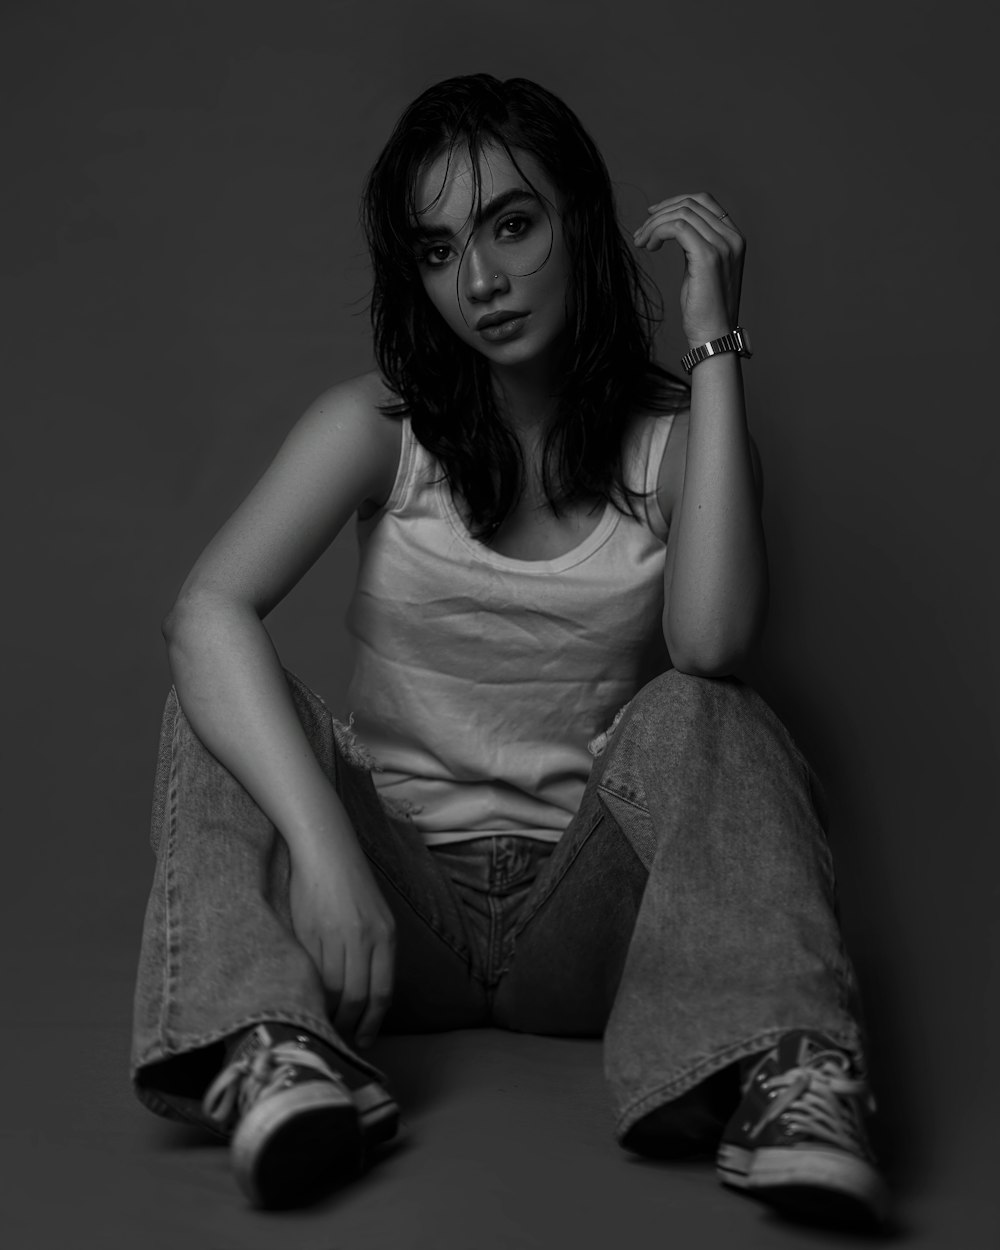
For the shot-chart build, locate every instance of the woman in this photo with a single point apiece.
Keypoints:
(577, 822)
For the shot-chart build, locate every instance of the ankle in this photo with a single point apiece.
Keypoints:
(280, 1031)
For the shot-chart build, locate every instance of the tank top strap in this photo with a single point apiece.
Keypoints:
(414, 466)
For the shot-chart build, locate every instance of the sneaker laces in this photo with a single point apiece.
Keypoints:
(818, 1100)
(251, 1077)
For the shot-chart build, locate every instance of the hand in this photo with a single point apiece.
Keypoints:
(713, 255)
(341, 918)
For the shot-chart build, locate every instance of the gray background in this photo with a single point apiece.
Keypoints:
(184, 272)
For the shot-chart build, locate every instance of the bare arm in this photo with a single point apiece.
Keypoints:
(715, 580)
(230, 682)
(715, 576)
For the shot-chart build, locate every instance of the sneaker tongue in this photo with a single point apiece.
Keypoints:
(252, 1041)
(809, 1045)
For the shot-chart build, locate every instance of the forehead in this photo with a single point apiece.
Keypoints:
(445, 194)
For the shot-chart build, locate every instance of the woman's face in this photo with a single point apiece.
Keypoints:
(498, 270)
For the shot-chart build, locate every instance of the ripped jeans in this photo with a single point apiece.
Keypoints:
(687, 914)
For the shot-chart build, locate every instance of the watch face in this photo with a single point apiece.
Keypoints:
(747, 350)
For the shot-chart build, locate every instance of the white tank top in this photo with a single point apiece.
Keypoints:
(480, 679)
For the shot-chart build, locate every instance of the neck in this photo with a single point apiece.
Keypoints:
(527, 395)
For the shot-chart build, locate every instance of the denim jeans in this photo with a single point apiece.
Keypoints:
(687, 914)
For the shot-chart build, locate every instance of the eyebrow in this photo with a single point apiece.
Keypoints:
(516, 195)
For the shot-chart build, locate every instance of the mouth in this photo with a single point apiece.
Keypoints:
(498, 318)
(498, 327)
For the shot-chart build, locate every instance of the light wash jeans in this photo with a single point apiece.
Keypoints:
(687, 914)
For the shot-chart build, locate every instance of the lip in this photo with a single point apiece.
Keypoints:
(497, 318)
(502, 331)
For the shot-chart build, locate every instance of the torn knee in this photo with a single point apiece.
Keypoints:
(355, 752)
(597, 746)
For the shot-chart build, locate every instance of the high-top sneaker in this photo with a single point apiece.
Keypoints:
(299, 1126)
(798, 1139)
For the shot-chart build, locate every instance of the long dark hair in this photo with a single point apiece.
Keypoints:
(444, 385)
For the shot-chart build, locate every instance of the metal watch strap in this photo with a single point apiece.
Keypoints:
(735, 341)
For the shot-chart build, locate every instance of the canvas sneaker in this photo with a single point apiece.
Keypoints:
(798, 1139)
(298, 1126)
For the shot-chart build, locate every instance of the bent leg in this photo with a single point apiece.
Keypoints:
(219, 953)
(737, 940)
(698, 853)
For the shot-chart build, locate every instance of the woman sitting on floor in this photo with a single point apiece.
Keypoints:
(580, 823)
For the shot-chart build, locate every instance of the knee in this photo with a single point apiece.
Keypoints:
(668, 702)
(679, 706)
(676, 694)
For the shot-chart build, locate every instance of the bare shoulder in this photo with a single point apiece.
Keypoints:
(339, 457)
(348, 416)
(366, 391)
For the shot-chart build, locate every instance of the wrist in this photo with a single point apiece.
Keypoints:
(713, 366)
(706, 334)
(735, 340)
(319, 833)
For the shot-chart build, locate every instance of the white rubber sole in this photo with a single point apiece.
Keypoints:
(831, 1168)
(827, 1183)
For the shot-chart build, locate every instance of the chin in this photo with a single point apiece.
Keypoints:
(522, 351)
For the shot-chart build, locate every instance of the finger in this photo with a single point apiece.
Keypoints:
(704, 198)
(354, 995)
(653, 232)
(329, 958)
(380, 984)
(705, 222)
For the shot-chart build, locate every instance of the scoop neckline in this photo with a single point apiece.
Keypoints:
(556, 564)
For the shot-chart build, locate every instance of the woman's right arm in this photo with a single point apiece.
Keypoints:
(340, 455)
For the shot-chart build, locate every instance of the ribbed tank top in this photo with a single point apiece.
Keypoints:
(480, 679)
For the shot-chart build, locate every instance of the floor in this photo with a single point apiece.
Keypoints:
(507, 1147)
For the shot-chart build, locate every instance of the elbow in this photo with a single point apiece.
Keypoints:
(707, 663)
(195, 613)
(169, 624)
(711, 654)
(182, 612)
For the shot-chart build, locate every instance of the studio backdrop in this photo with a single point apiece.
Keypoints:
(184, 272)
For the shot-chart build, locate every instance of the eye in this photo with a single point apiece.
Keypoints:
(434, 256)
(514, 226)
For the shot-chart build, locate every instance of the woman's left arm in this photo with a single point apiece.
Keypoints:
(715, 578)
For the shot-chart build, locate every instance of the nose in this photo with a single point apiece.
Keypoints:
(481, 277)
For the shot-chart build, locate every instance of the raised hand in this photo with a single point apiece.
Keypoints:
(713, 253)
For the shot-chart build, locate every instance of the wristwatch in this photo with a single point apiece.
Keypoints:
(735, 341)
